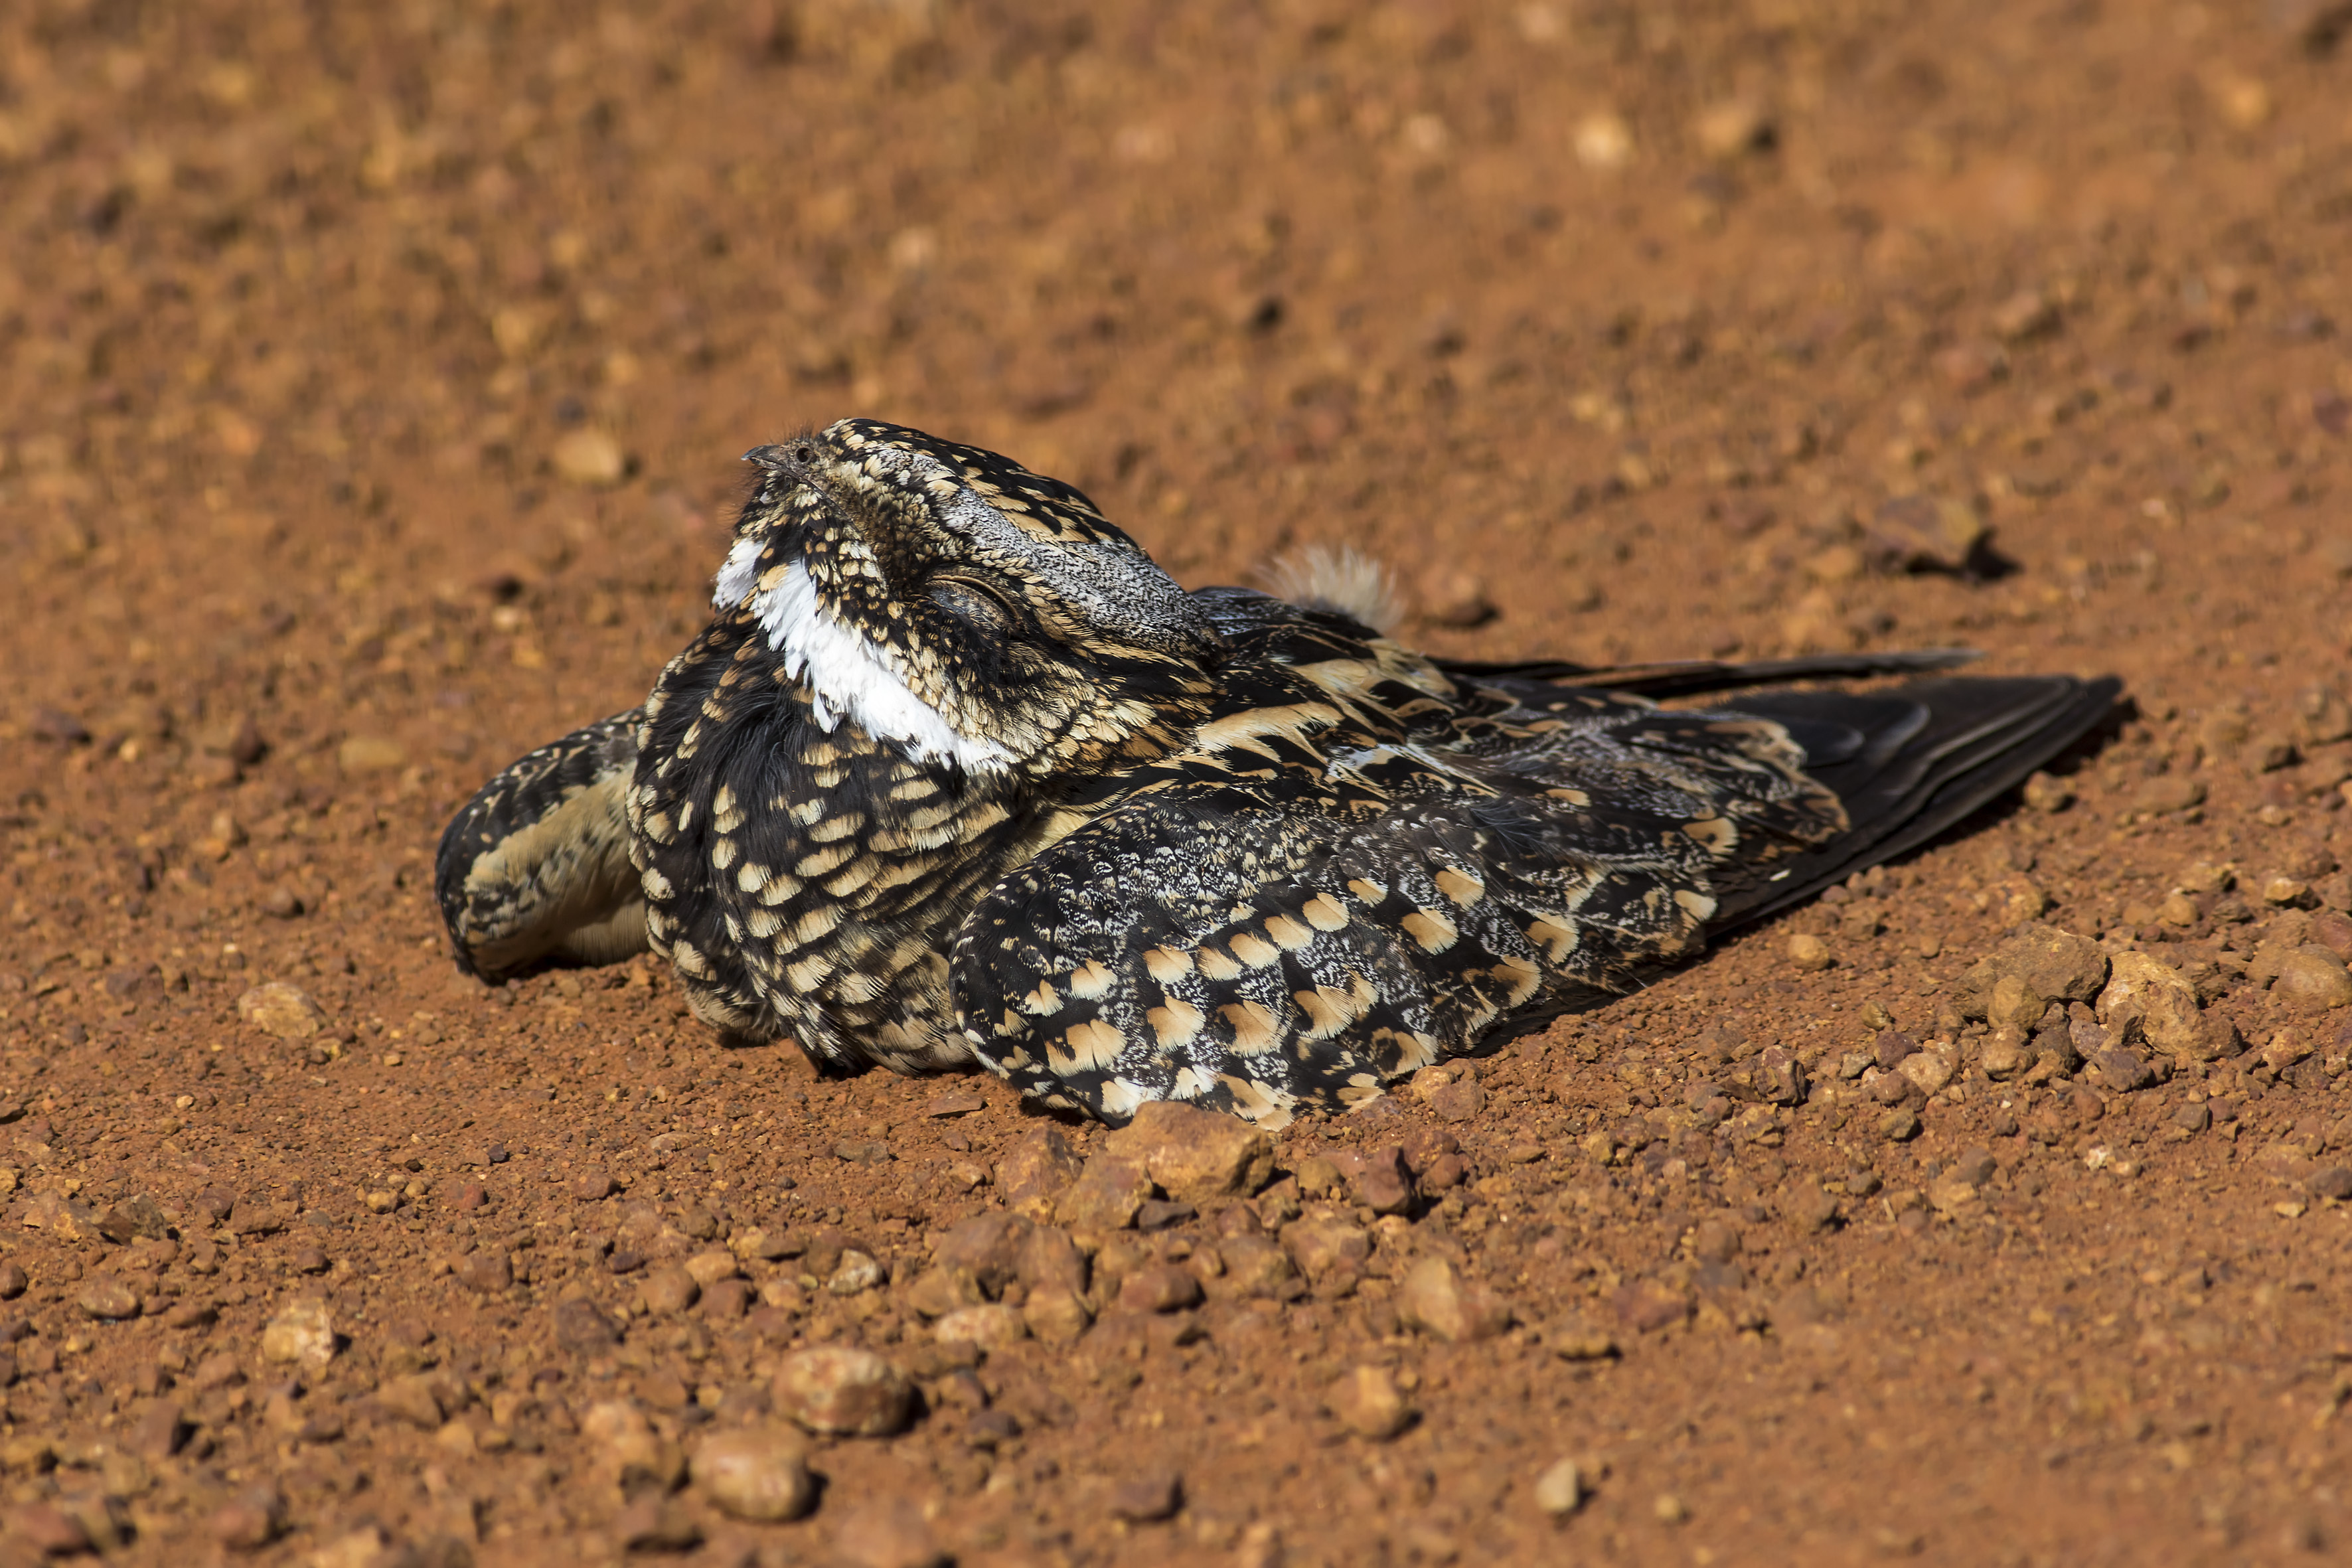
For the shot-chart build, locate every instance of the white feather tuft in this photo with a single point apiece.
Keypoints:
(1344, 580)
(847, 678)
(734, 579)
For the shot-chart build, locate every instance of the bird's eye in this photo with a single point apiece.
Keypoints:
(804, 454)
(976, 603)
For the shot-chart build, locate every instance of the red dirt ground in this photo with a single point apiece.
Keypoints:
(375, 377)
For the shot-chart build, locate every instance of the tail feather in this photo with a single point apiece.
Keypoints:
(1911, 760)
(1693, 677)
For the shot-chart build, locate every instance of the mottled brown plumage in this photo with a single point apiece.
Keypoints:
(956, 774)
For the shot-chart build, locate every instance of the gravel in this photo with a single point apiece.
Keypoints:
(1435, 1299)
(1560, 1490)
(887, 1532)
(108, 1299)
(1146, 1498)
(757, 1473)
(1368, 1403)
(667, 1290)
(281, 1010)
(302, 1334)
(1195, 1155)
(844, 1392)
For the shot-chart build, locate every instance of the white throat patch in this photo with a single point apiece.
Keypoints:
(846, 676)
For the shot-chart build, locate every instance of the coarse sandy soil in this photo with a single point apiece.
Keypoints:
(375, 376)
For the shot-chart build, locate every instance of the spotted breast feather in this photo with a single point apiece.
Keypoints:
(956, 774)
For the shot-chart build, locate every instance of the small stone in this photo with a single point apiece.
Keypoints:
(1560, 1490)
(2192, 1119)
(1969, 366)
(371, 754)
(1437, 1300)
(44, 1531)
(1033, 1173)
(654, 1523)
(2313, 978)
(2043, 793)
(13, 1282)
(955, 1102)
(2053, 965)
(303, 1333)
(486, 1272)
(1603, 142)
(631, 1452)
(1457, 1102)
(857, 1273)
(1929, 1070)
(1196, 1154)
(1106, 1197)
(1899, 1125)
(1161, 1288)
(250, 1520)
(108, 1299)
(1056, 1314)
(1159, 1214)
(1147, 1499)
(845, 1392)
(590, 457)
(724, 1300)
(2026, 314)
(1453, 597)
(592, 1186)
(2151, 998)
(1580, 1337)
(888, 1533)
(1379, 1183)
(2333, 1182)
(1921, 533)
(988, 1247)
(2122, 1071)
(583, 1327)
(990, 1326)
(1837, 563)
(281, 1010)
(1807, 953)
(709, 1268)
(1367, 1403)
(421, 1399)
(667, 1290)
(2168, 792)
(757, 1473)
(133, 1218)
(159, 1430)
(1647, 1306)
(1320, 1246)
(1732, 128)
(1670, 1509)
(1810, 1208)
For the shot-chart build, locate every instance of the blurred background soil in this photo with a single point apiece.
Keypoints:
(374, 380)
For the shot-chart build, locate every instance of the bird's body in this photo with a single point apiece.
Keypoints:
(955, 773)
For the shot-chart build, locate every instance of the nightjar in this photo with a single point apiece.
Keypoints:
(957, 774)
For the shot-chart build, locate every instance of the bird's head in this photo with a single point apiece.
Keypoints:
(949, 601)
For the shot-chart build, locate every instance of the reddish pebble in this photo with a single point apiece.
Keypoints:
(486, 1271)
(1161, 1289)
(48, 1532)
(591, 1186)
(250, 1521)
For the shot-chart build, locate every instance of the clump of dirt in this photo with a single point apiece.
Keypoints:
(374, 376)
